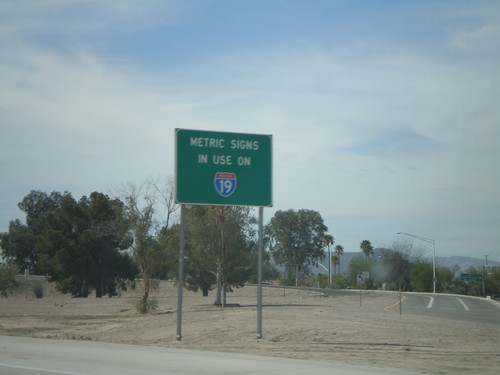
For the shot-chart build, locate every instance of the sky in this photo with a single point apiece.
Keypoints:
(385, 115)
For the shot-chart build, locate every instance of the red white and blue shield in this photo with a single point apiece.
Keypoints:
(225, 183)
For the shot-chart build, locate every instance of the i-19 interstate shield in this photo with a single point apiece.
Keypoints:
(225, 183)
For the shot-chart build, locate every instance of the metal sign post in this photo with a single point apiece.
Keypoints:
(259, 275)
(226, 169)
(180, 278)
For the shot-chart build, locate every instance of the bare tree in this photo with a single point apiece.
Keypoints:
(164, 200)
(150, 208)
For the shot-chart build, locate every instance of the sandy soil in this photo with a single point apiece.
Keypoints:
(296, 324)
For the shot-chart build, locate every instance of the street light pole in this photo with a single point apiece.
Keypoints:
(433, 242)
(329, 267)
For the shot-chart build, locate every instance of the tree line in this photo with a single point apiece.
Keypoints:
(405, 267)
(103, 244)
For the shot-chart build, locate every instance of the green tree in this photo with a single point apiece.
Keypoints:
(202, 247)
(340, 281)
(397, 265)
(339, 250)
(335, 261)
(8, 282)
(77, 244)
(60, 253)
(221, 248)
(421, 277)
(82, 245)
(357, 266)
(241, 244)
(20, 244)
(329, 241)
(104, 237)
(492, 281)
(296, 239)
(168, 240)
(366, 247)
(317, 281)
(221, 259)
(446, 281)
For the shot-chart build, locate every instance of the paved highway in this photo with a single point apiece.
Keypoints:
(450, 306)
(456, 307)
(27, 356)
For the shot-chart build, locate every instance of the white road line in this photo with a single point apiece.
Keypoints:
(37, 369)
(463, 304)
(429, 306)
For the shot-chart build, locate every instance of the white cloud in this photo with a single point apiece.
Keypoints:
(62, 19)
(81, 119)
(477, 30)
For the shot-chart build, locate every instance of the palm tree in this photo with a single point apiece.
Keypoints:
(339, 250)
(329, 240)
(366, 247)
(335, 262)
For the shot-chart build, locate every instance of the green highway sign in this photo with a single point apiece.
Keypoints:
(230, 169)
(471, 277)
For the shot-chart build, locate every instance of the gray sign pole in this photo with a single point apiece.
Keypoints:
(180, 277)
(225, 169)
(259, 275)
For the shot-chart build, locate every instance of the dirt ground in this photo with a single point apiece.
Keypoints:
(296, 324)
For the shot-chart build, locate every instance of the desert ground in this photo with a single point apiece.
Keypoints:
(296, 324)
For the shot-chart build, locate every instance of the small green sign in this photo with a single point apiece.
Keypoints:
(230, 169)
(471, 277)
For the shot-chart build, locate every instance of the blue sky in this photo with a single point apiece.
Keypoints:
(384, 114)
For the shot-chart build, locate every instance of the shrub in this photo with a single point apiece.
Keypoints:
(287, 280)
(38, 290)
(150, 306)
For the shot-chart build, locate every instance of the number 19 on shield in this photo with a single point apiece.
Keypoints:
(225, 183)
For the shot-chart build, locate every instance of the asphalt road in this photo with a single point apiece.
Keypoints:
(29, 356)
(464, 308)
(450, 306)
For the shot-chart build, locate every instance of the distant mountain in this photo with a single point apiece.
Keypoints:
(462, 262)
